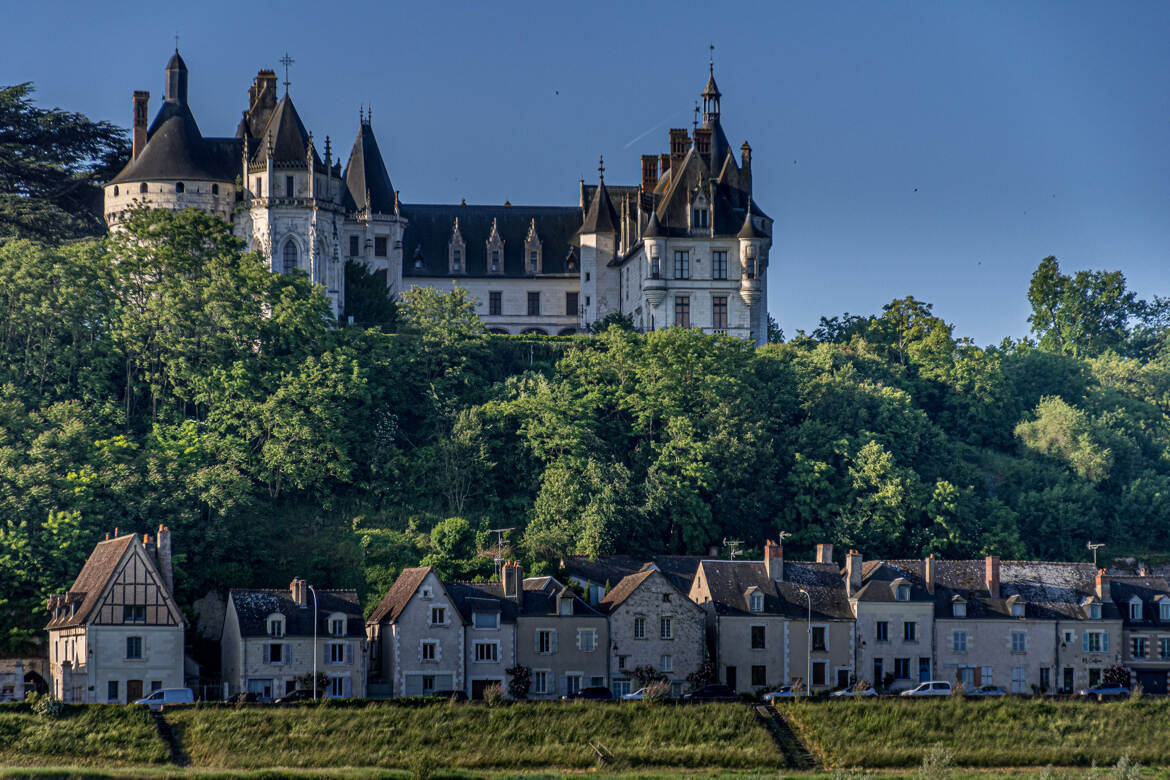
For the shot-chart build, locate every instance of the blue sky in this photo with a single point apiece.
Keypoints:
(934, 149)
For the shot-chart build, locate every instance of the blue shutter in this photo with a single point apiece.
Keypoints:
(1084, 641)
(1105, 642)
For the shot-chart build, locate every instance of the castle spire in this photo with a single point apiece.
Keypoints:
(176, 83)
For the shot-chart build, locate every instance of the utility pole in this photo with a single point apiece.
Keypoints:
(314, 592)
(808, 669)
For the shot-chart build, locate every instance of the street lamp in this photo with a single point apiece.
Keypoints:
(314, 592)
(808, 669)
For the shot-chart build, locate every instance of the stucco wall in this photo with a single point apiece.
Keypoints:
(895, 614)
(568, 657)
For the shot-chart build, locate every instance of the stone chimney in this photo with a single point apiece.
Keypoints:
(261, 101)
(513, 576)
(745, 164)
(992, 576)
(138, 122)
(703, 143)
(649, 172)
(163, 558)
(853, 572)
(1103, 585)
(774, 560)
(680, 142)
(299, 592)
(824, 553)
(663, 165)
(929, 573)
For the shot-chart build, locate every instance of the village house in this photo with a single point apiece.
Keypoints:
(268, 642)
(758, 620)
(595, 577)
(1143, 600)
(117, 634)
(561, 639)
(653, 623)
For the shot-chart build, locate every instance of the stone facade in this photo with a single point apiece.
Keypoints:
(421, 649)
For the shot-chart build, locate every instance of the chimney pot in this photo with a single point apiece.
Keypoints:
(649, 172)
(138, 122)
(163, 557)
(1103, 589)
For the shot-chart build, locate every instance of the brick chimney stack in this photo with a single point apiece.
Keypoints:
(649, 172)
(774, 560)
(1103, 591)
(513, 576)
(680, 142)
(138, 122)
(663, 165)
(992, 576)
(853, 572)
(928, 568)
(824, 553)
(299, 592)
(163, 557)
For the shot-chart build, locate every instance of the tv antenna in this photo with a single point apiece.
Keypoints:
(783, 535)
(498, 559)
(1095, 548)
(733, 546)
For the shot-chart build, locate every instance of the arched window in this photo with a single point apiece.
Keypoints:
(142, 188)
(290, 256)
(179, 187)
(115, 190)
(214, 189)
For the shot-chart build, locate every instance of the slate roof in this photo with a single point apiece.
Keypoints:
(253, 606)
(472, 597)
(729, 582)
(366, 175)
(396, 599)
(1152, 590)
(87, 589)
(541, 597)
(601, 217)
(175, 150)
(679, 569)
(285, 135)
(430, 227)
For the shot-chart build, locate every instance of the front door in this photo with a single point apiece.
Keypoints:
(1066, 685)
(729, 678)
(923, 670)
(133, 691)
(842, 678)
(478, 686)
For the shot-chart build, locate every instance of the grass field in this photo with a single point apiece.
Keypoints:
(99, 735)
(1004, 733)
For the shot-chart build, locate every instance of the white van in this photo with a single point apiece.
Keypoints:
(163, 696)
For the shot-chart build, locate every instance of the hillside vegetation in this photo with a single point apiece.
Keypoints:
(165, 375)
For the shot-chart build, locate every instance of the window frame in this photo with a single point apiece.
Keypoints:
(138, 645)
(759, 637)
(533, 303)
(666, 628)
(682, 264)
(719, 265)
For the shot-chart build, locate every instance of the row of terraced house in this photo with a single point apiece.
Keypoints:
(1029, 627)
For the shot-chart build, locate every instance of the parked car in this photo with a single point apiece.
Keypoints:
(1104, 691)
(637, 695)
(165, 696)
(987, 690)
(597, 693)
(244, 697)
(786, 692)
(712, 692)
(931, 688)
(866, 691)
(449, 695)
(295, 696)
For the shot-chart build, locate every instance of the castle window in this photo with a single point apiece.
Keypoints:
(533, 304)
(682, 311)
(180, 187)
(142, 188)
(290, 256)
(214, 189)
(719, 312)
(700, 218)
(532, 262)
(456, 260)
(288, 186)
(115, 190)
(719, 265)
(354, 246)
(571, 304)
(259, 190)
(379, 246)
(495, 303)
(495, 261)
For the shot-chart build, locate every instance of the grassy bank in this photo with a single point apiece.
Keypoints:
(533, 736)
(98, 735)
(1004, 733)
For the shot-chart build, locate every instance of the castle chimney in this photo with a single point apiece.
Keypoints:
(1103, 592)
(138, 122)
(513, 575)
(745, 164)
(163, 557)
(928, 568)
(703, 143)
(663, 165)
(680, 141)
(853, 572)
(824, 553)
(774, 560)
(649, 172)
(992, 576)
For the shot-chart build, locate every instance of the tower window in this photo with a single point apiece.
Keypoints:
(214, 189)
(142, 188)
(180, 187)
(115, 190)
(290, 256)
(288, 186)
(379, 246)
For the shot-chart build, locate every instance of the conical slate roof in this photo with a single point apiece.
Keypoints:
(711, 90)
(749, 228)
(176, 62)
(653, 227)
(176, 150)
(366, 175)
(601, 216)
(285, 135)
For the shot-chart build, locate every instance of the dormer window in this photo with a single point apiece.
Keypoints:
(486, 619)
(337, 623)
(1164, 610)
(1135, 608)
(959, 609)
(566, 606)
(495, 250)
(418, 258)
(700, 215)
(1094, 612)
(756, 602)
(455, 250)
(1018, 609)
(571, 261)
(903, 593)
(532, 249)
(457, 260)
(276, 625)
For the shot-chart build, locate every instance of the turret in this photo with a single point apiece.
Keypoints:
(176, 85)
(750, 242)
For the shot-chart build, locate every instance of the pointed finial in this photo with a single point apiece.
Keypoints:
(361, 114)
(601, 168)
(711, 60)
(286, 61)
(369, 113)
(176, 43)
(695, 121)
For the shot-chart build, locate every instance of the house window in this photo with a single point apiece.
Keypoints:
(133, 648)
(1094, 612)
(572, 683)
(544, 641)
(380, 248)
(426, 593)
(719, 265)
(682, 311)
(639, 628)
(759, 676)
(818, 670)
(486, 619)
(756, 602)
(487, 652)
(759, 637)
(571, 299)
(495, 303)
(665, 628)
(337, 626)
(818, 638)
(1018, 609)
(273, 653)
(180, 187)
(336, 686)
(134, 613)
(902, 668)
(622, 661)
(959, 609)
(1019, 679)
(1095, 642)
(1019, 642)
(665, 664)
(337, 652)
(719, 312)
(1164, 647)
(882, 631)
(438, 616)
(288, 186)
(910, 631)
(112, 690)
(1141, 647)
(495, 261)
(1164, 611)
(1135, 609)
(533, 304)
(682, 264)
(902, 593)
(354, 246)
(290, 256)
(276, 626)
(429, 651)
(960, 641)
(878, 672)
(587, 639)
(540, 682)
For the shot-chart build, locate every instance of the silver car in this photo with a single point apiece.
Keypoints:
(930, 688)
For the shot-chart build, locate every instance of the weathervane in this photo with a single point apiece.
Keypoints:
(176, 41)
(601, 167)
(286, 61)
(711, 59)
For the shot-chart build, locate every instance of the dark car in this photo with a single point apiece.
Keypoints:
(713, 692)
(295, 696)
(597, 693)
(450, 695)
(244, 697)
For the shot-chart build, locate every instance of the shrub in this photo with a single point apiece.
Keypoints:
(1116, 675)
(656, 692)
(704, 675)
(520, 681)
(48, 707)
(493, 695)
(647, 674)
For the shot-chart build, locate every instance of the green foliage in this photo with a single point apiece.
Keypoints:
(368, 302)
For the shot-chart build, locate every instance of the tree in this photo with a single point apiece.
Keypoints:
(612, 320)
(519, 681)
(368, 301)
(647, 674)
(51, 163)
(1083, 315)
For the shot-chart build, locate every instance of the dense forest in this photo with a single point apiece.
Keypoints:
(163, 375)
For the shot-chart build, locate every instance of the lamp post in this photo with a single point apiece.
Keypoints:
(808, 669)
(314, 592)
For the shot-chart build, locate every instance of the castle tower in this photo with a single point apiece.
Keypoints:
(599, 243)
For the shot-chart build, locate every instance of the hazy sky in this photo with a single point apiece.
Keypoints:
(934, 149)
